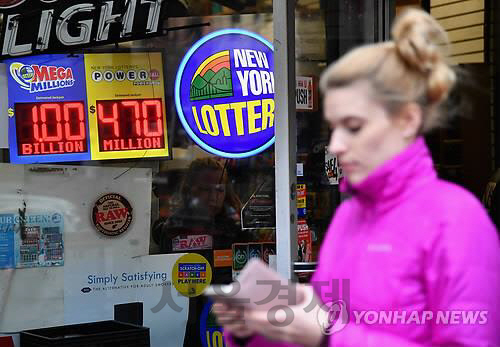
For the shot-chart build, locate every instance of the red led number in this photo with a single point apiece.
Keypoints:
(137, 113)
(43, 115)
(157, 105)
(81, 121)
(110, 120)
(43, 125)
(141, 116)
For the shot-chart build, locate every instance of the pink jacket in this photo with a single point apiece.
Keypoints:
(410, 242)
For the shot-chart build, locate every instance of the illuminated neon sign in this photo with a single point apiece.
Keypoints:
(81, 108)
(50, 26)
(224, 93)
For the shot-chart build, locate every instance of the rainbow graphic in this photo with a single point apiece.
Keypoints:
(212, 79)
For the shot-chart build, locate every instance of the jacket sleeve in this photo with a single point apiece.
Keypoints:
(461, 274)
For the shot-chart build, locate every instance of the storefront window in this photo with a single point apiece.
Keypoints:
(115, 206)
(134, 174)
(324, 31)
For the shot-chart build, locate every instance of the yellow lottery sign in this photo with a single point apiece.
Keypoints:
(126, 104)
(191, 274)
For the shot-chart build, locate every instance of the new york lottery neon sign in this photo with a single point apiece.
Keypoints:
(224, 93)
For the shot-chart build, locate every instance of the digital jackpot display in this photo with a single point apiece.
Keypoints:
(126, 98)
(95, 106)
(47, 109)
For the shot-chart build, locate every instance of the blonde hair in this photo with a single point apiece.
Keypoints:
(410, 68)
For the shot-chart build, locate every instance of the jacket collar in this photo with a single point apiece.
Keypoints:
(393, 180)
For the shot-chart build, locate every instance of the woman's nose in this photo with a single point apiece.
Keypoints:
(336, 145)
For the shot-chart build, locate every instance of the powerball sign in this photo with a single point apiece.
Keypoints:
(224, 93)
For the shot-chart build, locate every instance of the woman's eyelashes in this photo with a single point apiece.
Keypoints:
(350, 124)
(353, 125)
(354, 129)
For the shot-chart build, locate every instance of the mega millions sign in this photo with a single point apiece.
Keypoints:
(224, 93)
(39, 78)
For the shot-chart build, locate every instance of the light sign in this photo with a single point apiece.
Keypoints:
(57, 25)
(224, 93)
(56, 114)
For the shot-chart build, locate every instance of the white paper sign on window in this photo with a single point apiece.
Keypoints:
(304, 94)
(332, 168)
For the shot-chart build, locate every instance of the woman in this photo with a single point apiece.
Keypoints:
(409, 243)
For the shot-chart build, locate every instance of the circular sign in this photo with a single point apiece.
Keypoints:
(112, 214)
(224, 93)
(191, 274)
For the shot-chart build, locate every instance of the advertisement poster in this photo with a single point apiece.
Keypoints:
(32, 240)
(224, 93)
(304, 238)
(301, 200)
(94, 288)
(306, 93)
(332, 168)
(47, 103)
(191, 274)
(126, 100)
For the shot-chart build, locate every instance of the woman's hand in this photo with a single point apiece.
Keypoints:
(303, 329)
(231, 319)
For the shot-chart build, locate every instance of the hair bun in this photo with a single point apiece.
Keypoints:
(422, 43)
(416, 35)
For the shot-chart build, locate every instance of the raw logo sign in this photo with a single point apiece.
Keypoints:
(112, 214)
(192, 242)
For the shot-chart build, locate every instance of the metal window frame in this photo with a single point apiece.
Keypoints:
(286, 135)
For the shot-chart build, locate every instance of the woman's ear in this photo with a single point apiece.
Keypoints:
(410, 119)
